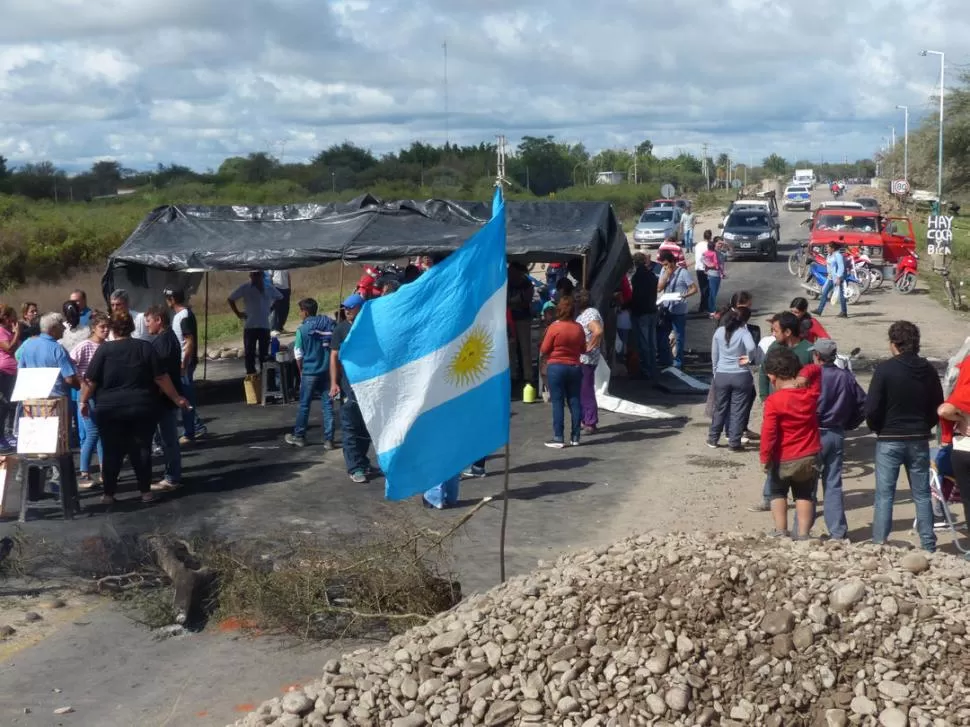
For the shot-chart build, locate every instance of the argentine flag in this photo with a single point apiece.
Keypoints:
(429, 365)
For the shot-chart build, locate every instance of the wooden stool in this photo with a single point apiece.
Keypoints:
(31, 468)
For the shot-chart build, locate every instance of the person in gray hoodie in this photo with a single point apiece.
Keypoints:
(312, 352)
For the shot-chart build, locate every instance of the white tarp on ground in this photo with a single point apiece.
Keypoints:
(607, 402)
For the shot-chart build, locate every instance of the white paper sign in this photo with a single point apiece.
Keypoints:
(37, 435)
(34, 384)
(670, 298)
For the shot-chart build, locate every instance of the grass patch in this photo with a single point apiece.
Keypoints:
(369, 584)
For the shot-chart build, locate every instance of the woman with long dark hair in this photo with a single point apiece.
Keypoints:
(124, 378)
(733, 383)
(562, 346)
(9, 340)
(811, 329)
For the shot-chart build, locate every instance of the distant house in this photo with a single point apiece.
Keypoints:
(609, 177)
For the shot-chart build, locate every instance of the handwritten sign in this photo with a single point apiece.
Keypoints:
(939, 234)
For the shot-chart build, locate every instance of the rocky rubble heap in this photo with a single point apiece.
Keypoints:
(674, 630)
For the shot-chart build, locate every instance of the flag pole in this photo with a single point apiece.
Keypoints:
(499, 182)
(505, 512)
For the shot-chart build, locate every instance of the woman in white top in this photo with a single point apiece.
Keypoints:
(699, 271)
(592, 323)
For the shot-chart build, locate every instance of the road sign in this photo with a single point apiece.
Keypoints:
(900, 186)
(939, 234)
(736, 183)
(668, 191)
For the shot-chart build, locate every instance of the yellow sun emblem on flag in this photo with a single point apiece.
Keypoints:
(469, 364)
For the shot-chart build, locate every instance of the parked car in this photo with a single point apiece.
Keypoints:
(751, 233)
(797, 196)
(869, 203)
(767, 205)
(656, 225)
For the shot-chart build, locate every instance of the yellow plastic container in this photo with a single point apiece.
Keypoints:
(529, 394)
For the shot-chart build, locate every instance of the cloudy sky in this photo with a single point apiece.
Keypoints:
(194, 81)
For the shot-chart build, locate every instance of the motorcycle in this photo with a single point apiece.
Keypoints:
(818, 274)
(904, 279)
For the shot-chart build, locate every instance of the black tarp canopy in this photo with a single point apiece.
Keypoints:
(178, 240)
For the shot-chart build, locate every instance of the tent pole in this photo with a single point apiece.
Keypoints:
(205, 347)
(585, 280)
(340, 285)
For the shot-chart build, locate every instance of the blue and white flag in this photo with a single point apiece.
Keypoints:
(429, 365)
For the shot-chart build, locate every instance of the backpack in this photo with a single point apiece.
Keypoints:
(711, 260)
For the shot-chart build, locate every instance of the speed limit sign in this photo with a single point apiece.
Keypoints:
(900, 186)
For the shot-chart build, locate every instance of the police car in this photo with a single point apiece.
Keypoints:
(797, 196)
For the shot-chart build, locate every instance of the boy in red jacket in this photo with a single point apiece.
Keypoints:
(790, 442)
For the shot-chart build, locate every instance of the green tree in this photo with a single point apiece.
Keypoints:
(541, 165)
(645, 149)
(775, 164)
(347, 156)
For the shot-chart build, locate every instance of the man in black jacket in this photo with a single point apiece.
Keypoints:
(901, 409)
(643, 311)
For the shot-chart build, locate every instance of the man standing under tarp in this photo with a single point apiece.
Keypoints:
(258, 297)
(280, 279)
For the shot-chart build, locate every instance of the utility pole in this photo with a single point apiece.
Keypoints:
(444, 48)
(892, 142)
(500, 160)
(707, 173)
(939, 159)
(905, 141)
(634, 165)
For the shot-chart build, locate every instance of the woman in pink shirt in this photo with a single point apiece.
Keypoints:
(9, 340)
(87, 429)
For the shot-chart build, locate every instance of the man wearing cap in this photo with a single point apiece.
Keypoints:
(356, 439)
(259, 296)
(841, 408)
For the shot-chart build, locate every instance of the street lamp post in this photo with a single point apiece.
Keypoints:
(939, 159)
(905, 141)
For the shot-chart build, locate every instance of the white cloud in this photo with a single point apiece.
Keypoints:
(191, 82)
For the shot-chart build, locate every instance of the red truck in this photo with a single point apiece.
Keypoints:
(885, 240)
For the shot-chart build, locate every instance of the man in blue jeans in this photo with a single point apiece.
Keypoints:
(835, 267)
(904, 395)
(356, 439)
(312, 352)
(841, 408)
(643, 312)
(674, 279)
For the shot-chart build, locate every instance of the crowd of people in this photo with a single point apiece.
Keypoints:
(811, 399)
(126, 375)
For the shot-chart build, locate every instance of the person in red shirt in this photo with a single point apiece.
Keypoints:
(790, 441)
(812, 330)
(561, 348)
(954, 416)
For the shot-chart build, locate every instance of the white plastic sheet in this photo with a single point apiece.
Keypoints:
(607, 402)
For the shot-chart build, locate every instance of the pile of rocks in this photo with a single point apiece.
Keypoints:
(674, 630)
